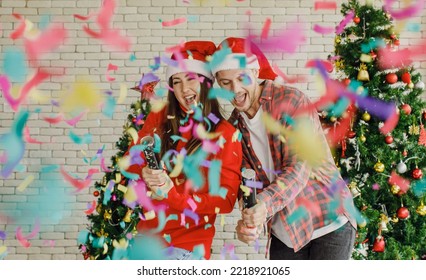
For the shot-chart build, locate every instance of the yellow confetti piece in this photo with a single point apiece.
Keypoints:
(365, 58)
(130, 195)
(272, 125)
(121, 244)
(222, 220)
(320, 85)
(217, 210)
(133, 133)
(2, 249)
(281, 185)
(25, 183)
(206, 218)
(149, 215)
(123, 94)
(245, 189)
(117, 177)
(203, 134)
(221, 142)
(123, 164)
(84, 153)
(105, 249)
(178, 166)
(84, 95)
(122, 188)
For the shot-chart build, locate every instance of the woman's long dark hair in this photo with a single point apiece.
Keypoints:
(174, 110)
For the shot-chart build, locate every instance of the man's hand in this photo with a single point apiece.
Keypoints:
(246, 234)
(255, 216)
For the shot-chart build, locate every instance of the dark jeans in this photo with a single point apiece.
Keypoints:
(336, 245)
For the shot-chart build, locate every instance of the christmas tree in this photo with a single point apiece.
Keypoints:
(113, 223)
(384, 170)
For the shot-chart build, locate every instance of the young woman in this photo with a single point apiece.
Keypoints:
(199, 143)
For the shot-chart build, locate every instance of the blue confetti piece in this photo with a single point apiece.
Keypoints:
(49, 168)
(44, 22)
(119, 254)
(374, 43)
(214, 179)
(419, 188)
(85, 139)
(220, 93)
(145, 247)
(132, 57)
(413, 27)
(198, 252)
(157, 143)
(297, 215)
(193, 18)
(109, 107)
(82, 237)
(178, 138)
(14, 65)
(131, 176)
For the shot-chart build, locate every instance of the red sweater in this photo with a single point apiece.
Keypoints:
(187, 234)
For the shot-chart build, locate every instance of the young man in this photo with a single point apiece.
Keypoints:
(325, 229)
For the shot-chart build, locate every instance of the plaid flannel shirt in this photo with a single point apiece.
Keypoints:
(318, 189)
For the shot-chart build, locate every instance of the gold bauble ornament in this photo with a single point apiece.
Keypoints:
(338, 39)
(363, 223)
(363, 75)
(108, 214)
(333, 119)
(366, 116)
(99, 208)
(410, 85)
(394, 219)
(395, 189)
(128, 215)
(421, 210)
(379, 167)
(362, 138)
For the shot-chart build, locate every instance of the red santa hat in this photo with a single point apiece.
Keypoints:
(243, 49)
(192, 57)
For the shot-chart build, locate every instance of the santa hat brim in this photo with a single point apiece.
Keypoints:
(190, 65)
(236, 61)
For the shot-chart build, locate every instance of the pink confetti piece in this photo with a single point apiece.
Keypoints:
(5, 88)
(103, 166)
(325, 5)
(111, 67)
(323, 30)
(327, 65)
(265, 29)
(77, 183)
(192, 204)
(294, 30)
(407, 12)
(76, 119)
(143, 200)
(19, 32)
(348, 18)
(182, 219)
(50, 39)
(106, 34)
(173, 22)
(375, 186)
(50, 243)
(184, 129)
(54, 120)
(90, 208)
(24, 239)
(81, 17)
(396, 179)
(28, 138)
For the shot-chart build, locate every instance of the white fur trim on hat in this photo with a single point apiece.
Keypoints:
(234, 61)
(190, 65)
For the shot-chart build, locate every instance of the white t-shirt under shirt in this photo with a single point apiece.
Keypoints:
(260, 145)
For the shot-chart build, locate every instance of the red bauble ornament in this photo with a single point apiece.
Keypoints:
(392, 36)
(351, 134)
(424, 115)
(406, 108)
(373, 55)
(389, 139)
(356, 20)
(96, 193)
(391, 78)
(86, 255)
(403, 213)
(406, 78)
(396, 42)
(417, 173)
(379, 244)
(405, 153)
(346, 82)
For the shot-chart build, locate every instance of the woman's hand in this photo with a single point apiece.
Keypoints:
(158, 182)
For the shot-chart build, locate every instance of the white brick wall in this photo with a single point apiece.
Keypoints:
(81, 55)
